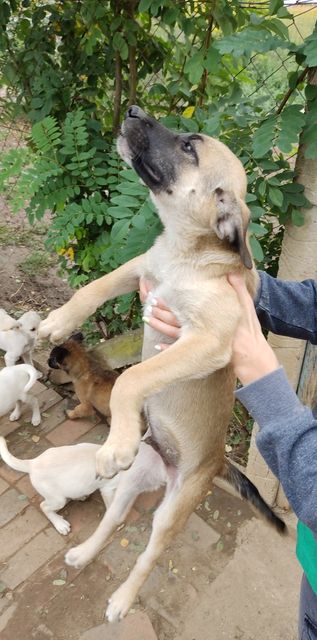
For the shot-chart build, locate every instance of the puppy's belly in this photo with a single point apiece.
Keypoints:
(190, 419)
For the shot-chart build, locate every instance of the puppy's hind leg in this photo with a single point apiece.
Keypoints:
(11, 358)
(16, 412)
(49, 506)
(27, 357)
(121, 505)
(181, 498)
(146, 474)
(33, 402)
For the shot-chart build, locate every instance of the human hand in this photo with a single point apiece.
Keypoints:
(252, 356)
(158, 315)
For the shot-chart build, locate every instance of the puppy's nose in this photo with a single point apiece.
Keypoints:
(135, 112)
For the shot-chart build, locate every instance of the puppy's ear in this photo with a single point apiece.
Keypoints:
(231, 223)
(77, 337)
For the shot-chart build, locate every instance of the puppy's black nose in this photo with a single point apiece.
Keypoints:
(135, 112)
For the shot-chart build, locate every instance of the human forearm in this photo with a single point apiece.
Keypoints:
(288, 308)
(287, 440)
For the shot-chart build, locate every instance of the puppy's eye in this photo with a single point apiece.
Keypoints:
(33, 329)
(187, 147)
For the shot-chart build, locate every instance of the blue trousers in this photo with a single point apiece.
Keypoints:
(307, 623)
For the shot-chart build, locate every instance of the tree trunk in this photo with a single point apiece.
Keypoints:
(297, 261)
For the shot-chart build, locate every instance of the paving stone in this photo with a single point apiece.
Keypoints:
(166, 601)
(69, 431)
(6, 616)
(199, 534)
(9, 475)
(98, 434)
(83, 516)
(34, 554)
(7, 427)
(54, 416)
(42, 632)
(38, 388)
(148, 500)
(10, 506)
(135, 626)
(19, 531)
(48, 398)
(3, 486)
(24, 485)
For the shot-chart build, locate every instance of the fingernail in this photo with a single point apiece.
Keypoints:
(152, 300)
(146, 319)
(157, 347)
(148, 310)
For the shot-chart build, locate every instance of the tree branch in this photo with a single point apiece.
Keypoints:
(291, 90)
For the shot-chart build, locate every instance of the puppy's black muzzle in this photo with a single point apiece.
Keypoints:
(52, 363)
(152, 148)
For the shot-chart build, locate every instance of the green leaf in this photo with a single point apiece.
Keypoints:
(275, 196)
(194, 67)
(256, 249)
(256, 212)
(132, 189)
(119, 44)
(263, 137)
(257, 229)
(139, 222)
(274, 6)
(310, 49)
(119, 212)
(119, 230)
(297, 218)
(125, 201)
(144, 5)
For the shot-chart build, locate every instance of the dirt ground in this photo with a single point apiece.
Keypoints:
(28, 273)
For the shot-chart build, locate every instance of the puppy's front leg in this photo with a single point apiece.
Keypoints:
(82, 410)
(195, 354)
(84, 302)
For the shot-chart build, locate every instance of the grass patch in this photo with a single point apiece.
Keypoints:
(11, 236)
(36, 263)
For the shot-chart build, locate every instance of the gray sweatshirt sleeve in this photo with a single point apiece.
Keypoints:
(287, 440)
(288, 308)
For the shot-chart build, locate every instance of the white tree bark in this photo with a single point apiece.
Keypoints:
(298, 261)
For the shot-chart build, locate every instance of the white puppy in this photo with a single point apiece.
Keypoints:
(69, 473)
(19, 341)
(15, 382)
(6, 322)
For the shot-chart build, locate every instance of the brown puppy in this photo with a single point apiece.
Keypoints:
(93, 385)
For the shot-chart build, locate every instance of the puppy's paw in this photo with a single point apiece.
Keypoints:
(36, 421)
(14, 415)
(113, 457)
(59, 323)
(71, 414)
(119, 604)
(62, 526)
(78, 556)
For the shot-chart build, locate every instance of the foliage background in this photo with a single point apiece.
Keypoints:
(236, 70)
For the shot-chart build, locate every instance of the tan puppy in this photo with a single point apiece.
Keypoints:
(93, 385)
(198, 187)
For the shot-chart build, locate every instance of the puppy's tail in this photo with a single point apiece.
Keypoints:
(249, 492)
(10, 460)
(34, 375)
